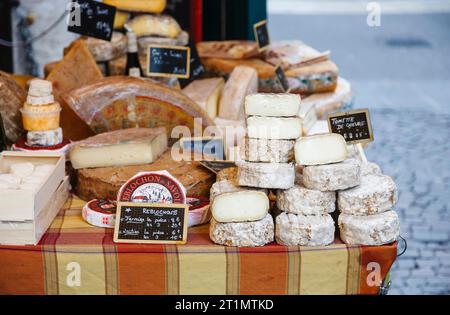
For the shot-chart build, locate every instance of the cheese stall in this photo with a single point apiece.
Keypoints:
(145, 163)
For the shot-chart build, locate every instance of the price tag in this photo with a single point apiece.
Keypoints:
(355, 126)
(91, 18)
(261, 35)
(281, 77)
(196, 67)
(169, 61)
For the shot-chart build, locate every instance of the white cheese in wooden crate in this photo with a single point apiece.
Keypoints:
(272, 105)
(320, 149)
(274, 127)
(332, 177)
(301, 200)
(312, 230)
(243, 234)
(377, 229)
(267, 150)
(44, 138)
(375, 194)
(266, 175)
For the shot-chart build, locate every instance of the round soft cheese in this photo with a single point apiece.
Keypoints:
(266, 175)
(301, 200)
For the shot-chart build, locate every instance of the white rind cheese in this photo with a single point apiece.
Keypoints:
(243, 234)
(377, 229)
(44, 138)
(375, 194)
(308, 116)
(312, 230)
(266, 175)
(40, 100)
(240, 206)
(274, 127)
(332, 177)
(265, 150)
(272, 105)
(320, 149)
(368, 168)
(301, 200)
(228, 186)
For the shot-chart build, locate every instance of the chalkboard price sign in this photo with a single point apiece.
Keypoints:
(196, 66)
(282, 79)
(169, 61)
(261, 35)
(354, 126)
(91, 18)
(164, 223)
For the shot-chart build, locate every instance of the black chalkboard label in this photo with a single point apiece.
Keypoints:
(151, 223)
(261, 35)
(169, 61)
(196, 66)
(3, 145)
(91, 18)
(354, 126)
(281, 77)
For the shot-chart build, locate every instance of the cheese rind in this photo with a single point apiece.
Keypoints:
(301, 200)
(274, 128)
(375, 194)
(240, 206)
(228, 186)
(332, 177)
(103, 50)
(229, 173)
(312, 230)
(368, 168)
(45, 138)
(266, 150)
(149, 25)
(266, 175)
(243, 234)
(377, 229)
(206, 93)
(272, 105)
(320, 149)
(119, 148)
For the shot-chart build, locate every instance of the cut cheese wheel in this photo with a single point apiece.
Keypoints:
(150, 25)
(126, 102)
(274, 127)
(228, 186)
(301, 230)
(320, 149)
(240, 206)
(242, 234)
(242, 82)
(149, 6)
(44, 138)
(308, 116)
(301, 200)
(377, 229)
(332, 177)
(103, 50)
(119, 148)
(319, 127)
(206, 93)
(273, 105)
(375, 194)
(266, 175)
(265, 150)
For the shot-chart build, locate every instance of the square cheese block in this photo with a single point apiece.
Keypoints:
(240, 206)
(272, 105)
(120, 148)
(274, 127)
(206, 93)
(320, 149)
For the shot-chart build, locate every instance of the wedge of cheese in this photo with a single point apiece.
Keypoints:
(274, 127)
(206, 93)
(149, 6)
(159, 25)
(320, 149)
(242, 82)
(119, 148)
(308, 116)
(240, 206)
(272, 105)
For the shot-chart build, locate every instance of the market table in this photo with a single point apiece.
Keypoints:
(76, 258)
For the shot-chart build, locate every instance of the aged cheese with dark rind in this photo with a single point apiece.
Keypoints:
(266, 150)
(105, 182)
(266, 175)
(301, 200)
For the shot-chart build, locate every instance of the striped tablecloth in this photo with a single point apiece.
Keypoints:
(76, 258)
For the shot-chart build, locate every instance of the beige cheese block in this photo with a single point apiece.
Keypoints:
(240, 206)
(301, 230)
(266, 150)
(375, 194)
(274, 127)
(242, 82)
(103, 50)
(243, 234)
(301, 200)
(272, 105)
(120, 148)
(266, 175)
(308, 116)
(320, 149)
(206, 93)
(149, 25)
(377, 229)
(368, 168)
(332, 177)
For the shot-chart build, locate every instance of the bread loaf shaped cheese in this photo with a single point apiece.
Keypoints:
(320, 149)
(274, 127)
(301, 200)
(266, 175)
(149, 6)
(266, 150)
(150, 25)
(206, 93)
(272, 105)
(120, 148)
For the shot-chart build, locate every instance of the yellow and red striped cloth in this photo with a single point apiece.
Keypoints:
(76, 258)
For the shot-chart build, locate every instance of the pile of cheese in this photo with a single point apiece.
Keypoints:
(25, 176)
